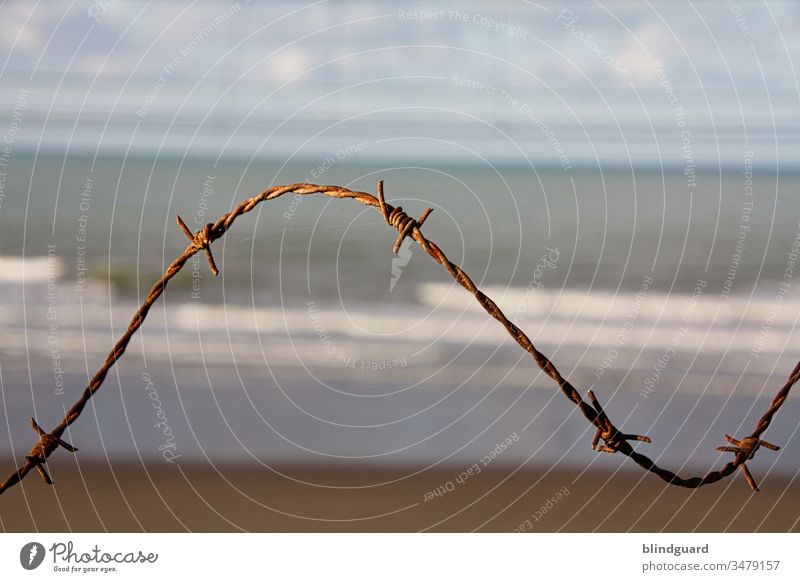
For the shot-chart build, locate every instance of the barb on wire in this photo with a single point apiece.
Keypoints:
(615, 441)
(399, 219)
(41, 450)
(746, 448)
(202, 240)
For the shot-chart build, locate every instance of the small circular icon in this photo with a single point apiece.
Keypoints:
(31, 555)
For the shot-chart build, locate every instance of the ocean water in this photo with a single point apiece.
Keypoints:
(675, 299)
(608, 230)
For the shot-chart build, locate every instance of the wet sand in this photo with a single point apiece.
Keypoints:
(130, 497)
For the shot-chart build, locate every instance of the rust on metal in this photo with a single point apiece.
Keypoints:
(614, 440)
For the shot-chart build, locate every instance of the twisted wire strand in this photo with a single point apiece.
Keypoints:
(614, 440)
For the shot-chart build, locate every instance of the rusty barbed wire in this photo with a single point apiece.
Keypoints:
(614, 440)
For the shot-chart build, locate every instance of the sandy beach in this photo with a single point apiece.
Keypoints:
(161, 498)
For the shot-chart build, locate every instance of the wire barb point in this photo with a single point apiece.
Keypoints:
(614, 439)
(399, 219)
(43, 449)
(201, 240)
(745, 450)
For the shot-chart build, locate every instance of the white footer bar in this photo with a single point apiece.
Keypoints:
(401, 557)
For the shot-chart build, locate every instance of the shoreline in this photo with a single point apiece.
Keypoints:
(131, 497)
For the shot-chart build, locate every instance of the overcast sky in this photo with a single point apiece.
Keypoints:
(713, 40)
(592, 61)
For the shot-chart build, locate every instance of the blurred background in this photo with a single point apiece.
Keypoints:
(620, 177)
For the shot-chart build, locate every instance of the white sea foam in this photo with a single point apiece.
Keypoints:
(29, 269)
(599, 335)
